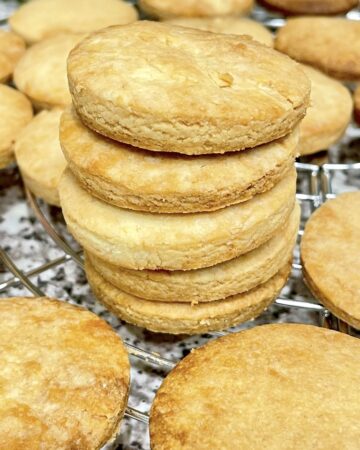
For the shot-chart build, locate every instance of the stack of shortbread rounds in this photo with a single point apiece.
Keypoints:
(180, 183)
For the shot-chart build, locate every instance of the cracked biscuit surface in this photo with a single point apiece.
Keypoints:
(64, 375)
(175, 89)
(243, 388)
(139, 240)
(12, 47)
(166, 182)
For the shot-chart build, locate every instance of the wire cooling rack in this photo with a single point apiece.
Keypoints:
(152, 356)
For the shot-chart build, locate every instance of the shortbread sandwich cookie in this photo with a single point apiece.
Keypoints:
(329, 113)
(166, 88)
(312, 40)
(227, 25)
(64, 374)
(182, 318)
(39, 156)
(139, 240)
(12, 47)
(357, 104)
(166, 182)
(39, 19)
(214, 283)
(280, 386)
(195, 8)
(41, 72)
(15, 113)
(330, 250)
(311, 6)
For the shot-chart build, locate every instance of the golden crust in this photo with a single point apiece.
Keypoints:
(357, 104)
(312, 6)
(185, 90)
(329, 113)
(166, 183)
(214, 283)
(335, 53)
(39, 19)
(227, 25)
(182, 318)
(12, 47)
(283, 386)
(195, 8)
(39, 156)
(41, 72)
(64, 375)
(138, 240)
(15, 113)
(330, 251)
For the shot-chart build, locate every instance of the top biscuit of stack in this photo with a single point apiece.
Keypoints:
(174, 89)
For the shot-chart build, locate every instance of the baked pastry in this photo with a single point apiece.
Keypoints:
(357, 104)
(167, 183)
(64, 374)
(227, 25)
(195, 8)
(329, 113)
(185, 90)
(311, 6)
(312, 40)
(12, 47)
(182, 318)
(283, 386)
(213, 283)
(139, 240)
(41, 72)
(330, 251)
(15, 113)
(39, 19)
(39, 156)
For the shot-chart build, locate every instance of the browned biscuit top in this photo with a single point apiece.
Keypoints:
(312, 6)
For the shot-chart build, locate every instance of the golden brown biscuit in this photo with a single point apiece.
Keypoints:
(15, 113)
(139, 240)
(314, 41)
(64, 376)
(166, 183)
(39, 156)
(357, 104)
(12, 47)
(41, 72)
(182, 318)
(283, 386)
(329, 113)
(168, 88)
(39, 19)
(195, 8)
(330, 250)
(213, 283)
(311, 6)
(227, 25)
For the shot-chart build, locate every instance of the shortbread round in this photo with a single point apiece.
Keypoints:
(15, 113)
(41, 72)
(64, 374)
(357, 104)
(182, 318)
(214, 283)
(175, 89)
(329, 113)
(12, 47)
(195, 8)
(328, 43)
(39, 19)
(311, 6)
(279, 386)
(330, 250)
(139, 240)
(167, 183)
(39, 156)
(228, 25)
